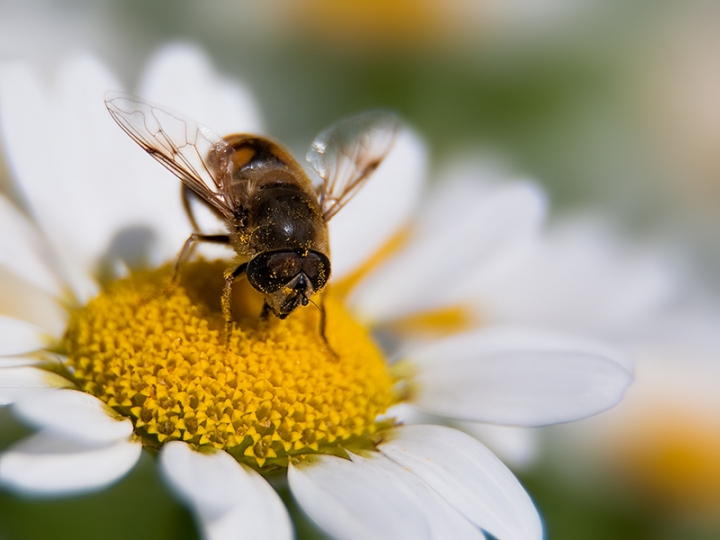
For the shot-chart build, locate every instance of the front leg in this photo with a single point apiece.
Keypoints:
(266, 312)
(323, 326)
(226, 302)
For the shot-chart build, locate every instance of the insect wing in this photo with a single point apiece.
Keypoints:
(196, 155)
(346, 154)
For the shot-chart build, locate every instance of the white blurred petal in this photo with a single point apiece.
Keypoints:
(405, 413)
(46, 464)
(17, 382)
(93, 192)
(18, 337)
(468, 476)
(517, 377)
(515, 446)
(24, 113)
(73, 414)
(182, 77)
(51, 176)
(16, 361)
(373, 498)
(381, 208)
(23, 300)
(673, 401)
(22, 249)
(581, 277)
(481, 230)
(229, 499)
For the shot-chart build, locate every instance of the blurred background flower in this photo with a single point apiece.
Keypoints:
(611, 106)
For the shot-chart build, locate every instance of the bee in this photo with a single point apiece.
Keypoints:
(276, 217)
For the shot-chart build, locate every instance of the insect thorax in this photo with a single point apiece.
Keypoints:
(282, 215)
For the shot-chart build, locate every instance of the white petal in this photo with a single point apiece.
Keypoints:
(228, 498)
(468, 476)
(73, 414)
(24, 113)
(48, 176)
(441, 519)
(373, 498)
(16, 382)
(50, 465)
(450, 255)
(518, 377)
(260, 519)
(23, 300)
(405, 413)
(102, 200)
(381, 208)
(182, 77)
(515, 446)
(15, 361)
(202, 479)
(583, 278)
(18, 337)
(22, 250)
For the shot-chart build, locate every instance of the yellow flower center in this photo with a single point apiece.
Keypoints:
(157, 354)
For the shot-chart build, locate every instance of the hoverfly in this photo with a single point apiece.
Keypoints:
(276, 217)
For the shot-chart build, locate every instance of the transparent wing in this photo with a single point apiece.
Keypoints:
(346, 154)
(196, 155)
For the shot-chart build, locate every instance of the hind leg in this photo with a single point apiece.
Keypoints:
(190, 243)
(185, 194)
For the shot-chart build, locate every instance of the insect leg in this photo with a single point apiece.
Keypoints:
(188, 245)
(266, 311)
(323, 325)
(187, 193)
(230, 277)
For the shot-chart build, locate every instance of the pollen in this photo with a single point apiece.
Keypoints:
(157, 353)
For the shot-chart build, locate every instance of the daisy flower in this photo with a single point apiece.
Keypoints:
(105, 358)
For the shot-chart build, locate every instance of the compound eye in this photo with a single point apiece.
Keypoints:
(316, 267)
(270, 271)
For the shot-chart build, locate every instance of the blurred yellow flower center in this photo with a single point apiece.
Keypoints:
(671, 455)
(156, 353)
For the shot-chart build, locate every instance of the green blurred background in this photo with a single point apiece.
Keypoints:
(611, 106)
